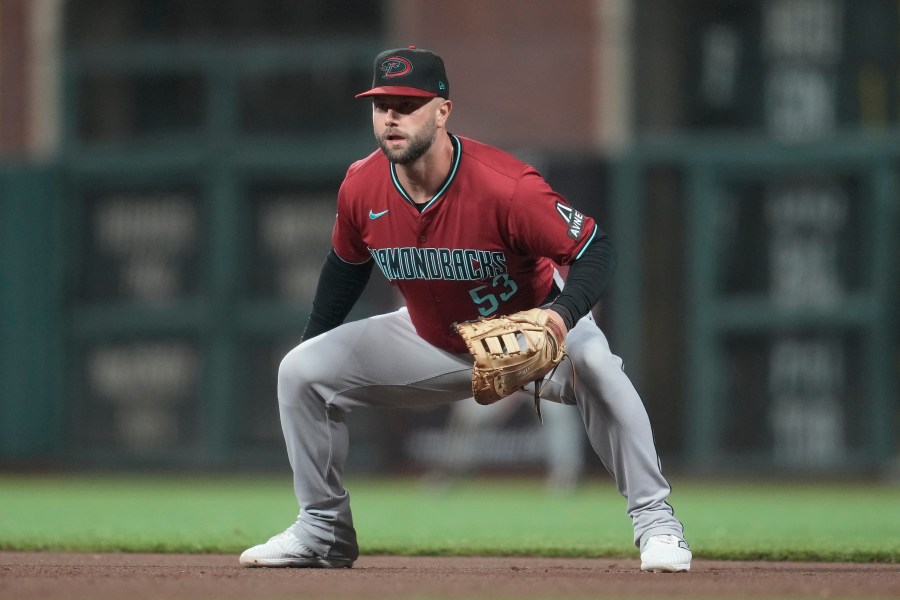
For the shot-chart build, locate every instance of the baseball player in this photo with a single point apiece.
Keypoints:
(463, 230)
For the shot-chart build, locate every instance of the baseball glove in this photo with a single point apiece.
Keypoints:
(511, 351)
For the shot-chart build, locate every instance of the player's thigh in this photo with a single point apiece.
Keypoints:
(376, 361)
(589, 365)
(589, 349)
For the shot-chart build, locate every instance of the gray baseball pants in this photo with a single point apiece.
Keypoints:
(381, 361)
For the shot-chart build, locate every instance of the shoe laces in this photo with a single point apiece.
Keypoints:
(668, 539)
(281, 536)
(296, 545)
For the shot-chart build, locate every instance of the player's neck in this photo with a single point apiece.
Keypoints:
(424, 177)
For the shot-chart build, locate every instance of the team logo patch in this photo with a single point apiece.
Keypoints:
(573, 218)
(395, 66)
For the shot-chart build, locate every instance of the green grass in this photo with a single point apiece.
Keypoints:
(507, 517)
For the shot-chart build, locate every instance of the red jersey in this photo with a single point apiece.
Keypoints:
(484, 245)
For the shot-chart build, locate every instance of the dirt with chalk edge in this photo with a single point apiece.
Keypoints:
(45, 575)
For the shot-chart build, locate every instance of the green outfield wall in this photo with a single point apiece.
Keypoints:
(154, 275)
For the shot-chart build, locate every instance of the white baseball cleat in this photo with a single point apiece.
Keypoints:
(666, 554)
(285, 550)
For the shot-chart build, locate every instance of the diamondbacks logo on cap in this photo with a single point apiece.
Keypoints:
(395, 66)
(573, 218)
(408, 72)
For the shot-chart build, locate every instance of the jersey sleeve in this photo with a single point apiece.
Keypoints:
(543, 223)
(346, 237)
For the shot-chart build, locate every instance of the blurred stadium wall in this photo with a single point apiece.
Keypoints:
(167, 179)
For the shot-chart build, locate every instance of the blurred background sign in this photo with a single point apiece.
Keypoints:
(168, 174)
(790, 289)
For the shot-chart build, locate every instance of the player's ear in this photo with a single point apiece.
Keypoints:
(443, 110)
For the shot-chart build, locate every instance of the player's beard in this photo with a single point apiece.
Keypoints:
(416, 145)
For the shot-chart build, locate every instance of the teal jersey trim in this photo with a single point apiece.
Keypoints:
(587, 243)
(457, 155)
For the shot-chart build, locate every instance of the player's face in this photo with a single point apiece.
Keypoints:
(405, 126)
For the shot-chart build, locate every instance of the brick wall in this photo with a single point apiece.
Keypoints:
(14, 81)
(523, 73)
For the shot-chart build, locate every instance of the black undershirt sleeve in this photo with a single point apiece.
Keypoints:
(586, 280)
(340, 286)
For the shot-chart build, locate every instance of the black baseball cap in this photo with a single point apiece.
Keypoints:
(409, 72)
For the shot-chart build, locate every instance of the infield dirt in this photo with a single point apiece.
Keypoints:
(48, 576)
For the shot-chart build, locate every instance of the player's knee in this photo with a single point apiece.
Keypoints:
(298, 371)
(594, 361)
(592, 354)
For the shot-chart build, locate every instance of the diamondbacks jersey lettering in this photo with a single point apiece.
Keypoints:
(472, 251)
(438, 263)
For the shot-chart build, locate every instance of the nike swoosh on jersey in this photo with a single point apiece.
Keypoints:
(375, 215)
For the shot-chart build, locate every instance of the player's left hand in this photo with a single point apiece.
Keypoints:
(511, 351)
